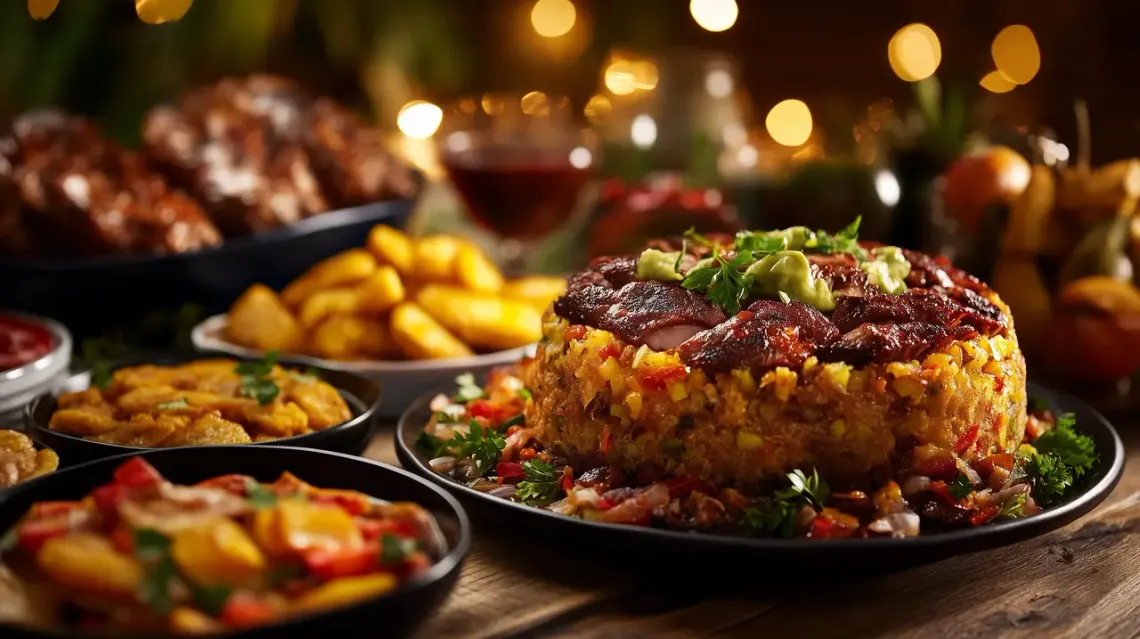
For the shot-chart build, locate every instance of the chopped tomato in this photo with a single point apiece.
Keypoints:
(136, 472)
(508, 471)
(354, 503)
(344, 562)
(985, 514)
(966, 440)
(821, 528)
(123, 539)
(986, 466)
(416, 563)
(481, 408)
(527, 453)
(939, 488)
(108, 497)
(513, 429)
(684, 485)
(48, 509)
(576, 331)
(608, 351)
(244, 609)
(658, 379)
(936, 467)
(375, 528)
(605, 442)
(234, 483)
(33, 534)
(1034, 427)
(567, 481)
(604, 504)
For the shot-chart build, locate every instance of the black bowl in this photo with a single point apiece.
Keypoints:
(697, 550)
(351, 437)
(395, 614)
(101, 291)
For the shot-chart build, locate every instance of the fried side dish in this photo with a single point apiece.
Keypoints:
(216, 401)
(143, 555)
(20, 461)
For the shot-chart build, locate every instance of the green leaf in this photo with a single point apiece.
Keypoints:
(149, 544)
(517, 420)
(154, 589)
(175, 405)
(1051, 478)
(259, 496)
(681, 255)
(255, 380)
(395, 549)
(525, 393)
(211, 599)
(722, 282)
(541, 485)
(813, 489)
(482, 445)
(468, 389)
(961, 487)
(698, 239)
(430, 445)
(777, 520)
(101, 375)
(760, 243)
(1075, 450)
(1013, 508)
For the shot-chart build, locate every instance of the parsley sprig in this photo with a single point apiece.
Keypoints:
(430, 445)
(482, 445)
(961, 487)
(1063, 456)
(152, 549)
(779, 518)
(845, 241)
(541, 485)
(256, 381)
(468, 389)
(722, 281)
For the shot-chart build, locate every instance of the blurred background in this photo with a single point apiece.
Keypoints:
(997, 132)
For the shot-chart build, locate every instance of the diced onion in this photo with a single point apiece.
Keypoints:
(896, 525)
(442, 464)
(506, 492)
(915, 484)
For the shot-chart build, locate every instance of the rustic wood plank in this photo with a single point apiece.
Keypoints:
(701, 619)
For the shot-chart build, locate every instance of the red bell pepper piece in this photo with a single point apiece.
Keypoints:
(576, 331)
(939, 467)
(345, 562)
(966, 440)
(108, 497)
(608, 351)
(985, 514)
(33, 534)
(510, 471)
(136, 472)
(939, 488)
(234, 483)
(606, 440)
(355, 504)
(375, 528)
(49, 509)
(481, 408)
(244, 609)
(684, 485)
(604, 504)
(658, 379)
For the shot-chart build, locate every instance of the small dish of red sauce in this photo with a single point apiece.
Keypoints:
(22, 341)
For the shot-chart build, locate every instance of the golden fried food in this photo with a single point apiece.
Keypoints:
(484, 321)
(435, 256)
(342, 269)
(200, 403)
(353, 337)
(260, 320)
(377, 294)
(20, 461)
(474, 270)
(391, 246)
(422, 337)
(539, 290)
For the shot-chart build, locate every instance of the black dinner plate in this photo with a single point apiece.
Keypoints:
(394, 614)
(351, 437)
(650, 545)
(92, 295)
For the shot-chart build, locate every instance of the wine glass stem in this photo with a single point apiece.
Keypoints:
(513, 257)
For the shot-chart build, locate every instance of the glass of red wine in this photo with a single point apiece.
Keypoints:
(519, 162)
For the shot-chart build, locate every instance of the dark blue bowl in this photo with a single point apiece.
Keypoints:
(90, 294)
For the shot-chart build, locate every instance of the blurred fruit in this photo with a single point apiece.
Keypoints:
(977, 180)
(1020, 283)
(1091, 196)
(1028, 225)
(1102, 251)
(1095, 336)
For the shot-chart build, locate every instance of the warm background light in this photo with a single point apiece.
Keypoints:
(995, 82)
(42, 9)
(535, 103)
(621, 77)
(597, 108)
(914, 52)
(553, 18)
(1016, 54)
(714, 15)
(789, 123)
(160, 11)
(419, 119)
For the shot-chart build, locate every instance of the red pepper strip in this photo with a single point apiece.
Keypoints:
(33, 534)
(984, 515)
(354, 503)
(606, 440)
(49, 509)
(510, 471)
(966, 440)
(576, 331)
(604, 504)
(136, 472)
(375, 528)
(416, 563)
(345, 562)
(108, 497)
(821, 528)
(244, 609)
(608, 351)
(567, 480)
(234, 483)
(123, 539)
(685, 484)
(481, 408)
(658, 379)
(939, 467)
(939, 488)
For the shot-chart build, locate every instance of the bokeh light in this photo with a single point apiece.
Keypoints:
(553, 18)
(719, 83)
(160, 11)
(621, 77)
(643, 131)
(42, 9)
(597, 108)
(789, 123)
(644, 75)
(419, 119)
(995, 82)
(1016, 53)
(535, 103)
(714, 15)
(914, 52)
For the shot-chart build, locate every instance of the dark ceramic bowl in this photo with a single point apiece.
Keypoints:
(394, 614)
(351, 437)
(91, 295)
(697, 550)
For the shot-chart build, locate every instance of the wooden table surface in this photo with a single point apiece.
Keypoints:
(1080, 581)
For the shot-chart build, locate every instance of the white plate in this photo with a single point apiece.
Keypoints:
(401, 381)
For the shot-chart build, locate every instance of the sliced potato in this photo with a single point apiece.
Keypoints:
(483, 321)
(474, 270)
(346, 590)
(377, 294)
(89, 562)
(391, 246)
(539, 290)
(435, 257)
(343, 269)
(333, 301)
(217, 553)
(258, 319)
(421, 337)
(343, 336)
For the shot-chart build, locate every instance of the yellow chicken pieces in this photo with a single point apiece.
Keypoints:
(260, 320)
(90, 563)
(217, 553)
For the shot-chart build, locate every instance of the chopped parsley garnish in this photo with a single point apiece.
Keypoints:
(845, 241)
(517, 420)
(175, 405)
(149, 544)
(259, 496)
(722, 281)
(98, 353)
(961, 487)
(760, 243)
(541, 485)
(1051, 478)
(783, 297)
(310, 375)
(779, 518)
(211, 599)
(430, 445)
(101, 375)
(525, 393)
(468, 389)
(1013, 508)
(482, 445)
(698, 239)
(256, 381)
(1062, 456)
(395, 549)
(680, 256)
(152, 548)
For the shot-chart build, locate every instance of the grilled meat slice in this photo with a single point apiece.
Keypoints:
(986, 316)
(609, 272)
(585, 305)
(919, 305)
(843, 279)
(882, 343)
(644, 311)
(767, 335)
(928, 272)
